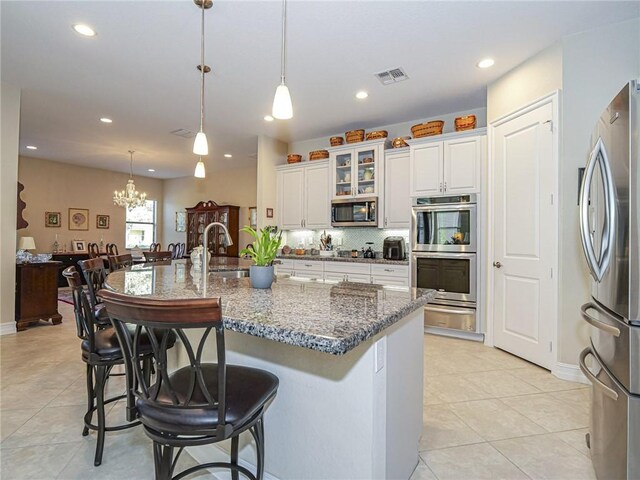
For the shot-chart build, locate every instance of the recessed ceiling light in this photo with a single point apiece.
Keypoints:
(268, 118)
(227, 155)
(362, 95)
(486, 63)
(85, 30)
(31, 147)
(106, 120)
(151, 170)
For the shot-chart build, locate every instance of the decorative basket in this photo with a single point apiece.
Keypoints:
(468, 122)
(335, 141)
(399, 142)
(294, 158)
(427, 129)
(354, 136)
(378, 134)
(318, 154)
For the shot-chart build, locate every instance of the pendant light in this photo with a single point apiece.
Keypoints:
(200, 171)
(282, 106)
(200, 144)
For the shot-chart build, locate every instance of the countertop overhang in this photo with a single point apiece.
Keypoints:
(325, 316)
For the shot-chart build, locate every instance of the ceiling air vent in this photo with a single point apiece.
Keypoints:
(181, 132)
(393, 75)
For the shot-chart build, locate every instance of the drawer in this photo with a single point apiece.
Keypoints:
(280, 270)
(390, 270)
(309, 274)
(458, 318)
(335, 277)
(358, 278)
(346, 267)
(286, 263)
(307, 266)
(385, 280)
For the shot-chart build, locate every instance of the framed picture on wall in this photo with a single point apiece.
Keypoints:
(79, 246)
(78, 219)
(269, 212)
(52, 219)
(102, 221)
(181, 221)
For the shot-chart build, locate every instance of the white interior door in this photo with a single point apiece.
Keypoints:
(525, 235)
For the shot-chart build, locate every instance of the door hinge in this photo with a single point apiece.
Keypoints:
(551, 346)
(550, 122)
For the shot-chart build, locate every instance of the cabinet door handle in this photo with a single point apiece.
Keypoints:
(385, 221)
(440, 186)
(445, 186)
(389, 270)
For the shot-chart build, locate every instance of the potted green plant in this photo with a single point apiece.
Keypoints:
(262, 251)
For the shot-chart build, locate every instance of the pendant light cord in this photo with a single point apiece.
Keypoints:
(284, 43)
(202, 69)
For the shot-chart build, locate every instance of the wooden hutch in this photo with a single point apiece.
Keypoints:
(203, 214)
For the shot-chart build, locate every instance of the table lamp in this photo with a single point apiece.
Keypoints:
(26, 243)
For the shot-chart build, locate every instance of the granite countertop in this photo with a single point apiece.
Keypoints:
(343, 259)
(324, 316)
(225, 264)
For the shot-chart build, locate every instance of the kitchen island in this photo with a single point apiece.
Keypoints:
(349, 360)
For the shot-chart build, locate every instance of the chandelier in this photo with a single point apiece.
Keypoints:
(129, 197)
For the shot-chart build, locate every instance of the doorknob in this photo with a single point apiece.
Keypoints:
(497, 264)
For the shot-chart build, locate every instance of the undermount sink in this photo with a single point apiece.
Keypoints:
(230, 274)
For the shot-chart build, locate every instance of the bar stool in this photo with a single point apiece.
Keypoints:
(201, 403)
(95, 274)
(101, 352)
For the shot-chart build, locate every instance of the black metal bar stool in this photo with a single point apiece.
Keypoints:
(198, 404)
(95, 273)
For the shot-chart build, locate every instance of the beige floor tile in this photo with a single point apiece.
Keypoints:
(430, 397)
(546, 457)
(494, 420)
(442, 428)
(544, 380)
(501, 360)
(455, 388)
(42, 462)
(422, 472)
(575, 438)
(499, 383)
(11, 420)
(477, 462)
(579, 398)
(550, 413)
(28, 395)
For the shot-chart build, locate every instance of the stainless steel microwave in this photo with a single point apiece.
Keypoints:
(354, 212)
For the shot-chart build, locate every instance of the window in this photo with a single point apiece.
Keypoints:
(140, 227)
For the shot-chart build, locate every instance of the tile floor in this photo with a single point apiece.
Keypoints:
(487, 414)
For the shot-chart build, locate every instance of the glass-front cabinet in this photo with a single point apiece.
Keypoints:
(356, 169)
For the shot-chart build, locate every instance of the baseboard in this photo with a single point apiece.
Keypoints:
(8, 328)
(448, 332)
(569, 372)
(214, 453)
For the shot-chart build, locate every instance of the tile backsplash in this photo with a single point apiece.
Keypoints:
(344, 238)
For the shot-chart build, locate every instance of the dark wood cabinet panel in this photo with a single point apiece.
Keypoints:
(203, 214)
(37, 293)
(67, 260)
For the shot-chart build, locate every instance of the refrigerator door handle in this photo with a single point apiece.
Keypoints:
(610, 329)
(609, 392)
(598, 265)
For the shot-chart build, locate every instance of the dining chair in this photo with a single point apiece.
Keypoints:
(157, 256)
(93, 249)
(155, 247)
(173, 248)
(112, 249)
(199, 403)
(118, 262)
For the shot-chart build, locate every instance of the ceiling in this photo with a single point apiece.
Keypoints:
(140, 70)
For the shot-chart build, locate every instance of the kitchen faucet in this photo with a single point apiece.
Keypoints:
(205, 241)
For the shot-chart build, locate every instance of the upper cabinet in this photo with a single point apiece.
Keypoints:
(397, 199)
(303, 196)
(356, 169)
(450, 166)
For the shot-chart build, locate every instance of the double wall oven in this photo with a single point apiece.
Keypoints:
(444, 247)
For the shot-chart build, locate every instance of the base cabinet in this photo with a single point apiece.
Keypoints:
(381, 274)
(37, 293)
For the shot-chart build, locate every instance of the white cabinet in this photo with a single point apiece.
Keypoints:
(303, 196)
(382, 274)
(397, 197)
(447, 166)
(356, 169)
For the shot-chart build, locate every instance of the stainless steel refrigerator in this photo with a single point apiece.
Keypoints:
(610, 232)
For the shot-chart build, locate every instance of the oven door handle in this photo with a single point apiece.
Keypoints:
(453, 311)
(609, 392)
(610, 329)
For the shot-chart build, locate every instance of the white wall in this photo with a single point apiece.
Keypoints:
(403, 129)
(10, 106)
(271, 152)
(596, 65)
(227, 187)
(532, 79)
